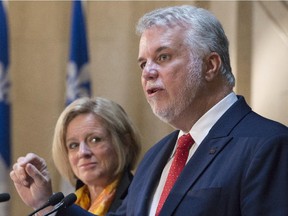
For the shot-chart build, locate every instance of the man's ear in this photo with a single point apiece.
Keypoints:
(213, 64)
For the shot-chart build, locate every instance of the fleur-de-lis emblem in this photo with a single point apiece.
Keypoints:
(4, 85)
(78, 84)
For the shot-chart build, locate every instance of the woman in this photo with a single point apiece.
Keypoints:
(95, 147)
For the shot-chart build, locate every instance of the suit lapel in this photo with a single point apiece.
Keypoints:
(157, 160)
(211, 146)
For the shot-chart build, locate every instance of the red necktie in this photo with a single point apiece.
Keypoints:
(184, 144)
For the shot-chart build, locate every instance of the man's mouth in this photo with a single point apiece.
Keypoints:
(152, 91)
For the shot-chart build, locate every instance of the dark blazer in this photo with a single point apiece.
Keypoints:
(122, 191)
(120, 195)
(240, 168)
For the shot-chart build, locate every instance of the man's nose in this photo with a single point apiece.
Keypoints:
(150, 71)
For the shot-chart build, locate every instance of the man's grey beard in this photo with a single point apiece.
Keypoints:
(173, 110)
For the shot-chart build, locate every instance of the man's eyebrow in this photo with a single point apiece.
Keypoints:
(140, 59)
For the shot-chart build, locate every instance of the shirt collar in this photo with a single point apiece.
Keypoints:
(202, 127)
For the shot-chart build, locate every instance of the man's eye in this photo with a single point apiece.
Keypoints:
(163, 57)
(142, 65)
(73, 146)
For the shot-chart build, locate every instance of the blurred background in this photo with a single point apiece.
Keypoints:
(39, 38)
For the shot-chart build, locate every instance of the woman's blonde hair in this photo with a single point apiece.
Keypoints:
(125, 137)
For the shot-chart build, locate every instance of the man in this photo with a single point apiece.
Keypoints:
(237, 164)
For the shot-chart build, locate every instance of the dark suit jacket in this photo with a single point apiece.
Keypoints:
(240, 168)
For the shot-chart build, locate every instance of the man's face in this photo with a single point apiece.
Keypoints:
(170, 77)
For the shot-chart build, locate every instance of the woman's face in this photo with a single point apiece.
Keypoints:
(91, 154)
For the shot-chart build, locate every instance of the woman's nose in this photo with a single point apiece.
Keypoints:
(84, 149)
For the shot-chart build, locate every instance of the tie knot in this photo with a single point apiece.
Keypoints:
(185, 142)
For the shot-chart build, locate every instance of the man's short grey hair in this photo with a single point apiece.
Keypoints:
(204, 32)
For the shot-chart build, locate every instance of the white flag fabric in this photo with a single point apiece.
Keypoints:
(5, 138)
(78, 77)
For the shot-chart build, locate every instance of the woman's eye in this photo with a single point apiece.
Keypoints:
(73, 145)
(96, 139)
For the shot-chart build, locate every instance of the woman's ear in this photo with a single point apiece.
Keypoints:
(213, 64)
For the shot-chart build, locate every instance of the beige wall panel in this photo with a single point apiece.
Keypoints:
(269, 57)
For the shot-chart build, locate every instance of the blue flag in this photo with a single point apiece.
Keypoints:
(5, 139)
(4, 89)
(78, 77)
